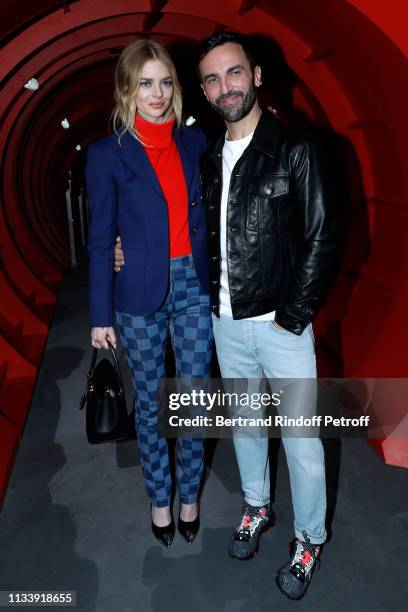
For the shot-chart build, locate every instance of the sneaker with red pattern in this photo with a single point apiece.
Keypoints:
(294, 577)
(255, 520)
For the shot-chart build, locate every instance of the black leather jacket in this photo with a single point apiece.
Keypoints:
(280, 229)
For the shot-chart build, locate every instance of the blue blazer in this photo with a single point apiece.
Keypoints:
(125, 198)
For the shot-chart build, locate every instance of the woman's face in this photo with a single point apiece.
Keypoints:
(155, 92)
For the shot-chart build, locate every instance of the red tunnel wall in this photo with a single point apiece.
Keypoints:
(349, 58)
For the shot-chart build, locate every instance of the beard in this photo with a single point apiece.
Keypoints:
(240, 109)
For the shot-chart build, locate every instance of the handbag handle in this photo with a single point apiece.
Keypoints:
(92, 368)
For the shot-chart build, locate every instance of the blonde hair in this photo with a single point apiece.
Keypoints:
(127, 81)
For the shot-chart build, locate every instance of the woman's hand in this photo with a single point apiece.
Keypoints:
(101, 335)
(119, 259)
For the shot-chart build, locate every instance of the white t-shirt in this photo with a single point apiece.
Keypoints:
(231, 152)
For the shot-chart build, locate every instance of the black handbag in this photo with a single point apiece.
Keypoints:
(107, 417)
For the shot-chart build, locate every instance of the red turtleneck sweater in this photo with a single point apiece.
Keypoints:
(161, 149)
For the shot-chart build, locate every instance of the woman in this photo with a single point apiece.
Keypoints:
(143, 183)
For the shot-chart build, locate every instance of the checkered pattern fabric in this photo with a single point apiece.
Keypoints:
(186, 316)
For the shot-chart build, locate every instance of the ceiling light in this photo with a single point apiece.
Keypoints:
(78, 147)
(65, 123)
(32, 84)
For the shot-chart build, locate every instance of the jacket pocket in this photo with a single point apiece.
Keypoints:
(271, 186)
(268, 197)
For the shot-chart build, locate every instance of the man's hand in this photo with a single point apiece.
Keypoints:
(101, 335)
(119, 259)
(279, 327)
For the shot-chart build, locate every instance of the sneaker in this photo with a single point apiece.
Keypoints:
(254, 522)
(294, 577)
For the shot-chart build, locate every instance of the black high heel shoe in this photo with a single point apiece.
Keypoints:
(165, 535)
(189, 529)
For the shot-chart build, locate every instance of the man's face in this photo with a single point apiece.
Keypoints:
(228, 82)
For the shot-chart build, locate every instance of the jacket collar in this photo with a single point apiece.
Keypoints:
(133, 154)
(268, 134)
(267, 138)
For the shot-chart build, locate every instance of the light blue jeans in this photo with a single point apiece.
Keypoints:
(257, 349)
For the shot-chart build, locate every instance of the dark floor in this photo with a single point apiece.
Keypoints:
(76, 516)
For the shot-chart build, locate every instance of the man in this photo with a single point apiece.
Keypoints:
(271, 254)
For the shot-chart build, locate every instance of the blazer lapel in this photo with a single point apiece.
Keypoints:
(134, 156)
(132, 153)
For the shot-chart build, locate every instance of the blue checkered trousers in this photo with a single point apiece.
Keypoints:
(186, 315)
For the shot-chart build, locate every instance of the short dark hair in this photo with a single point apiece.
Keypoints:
(211, 42)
